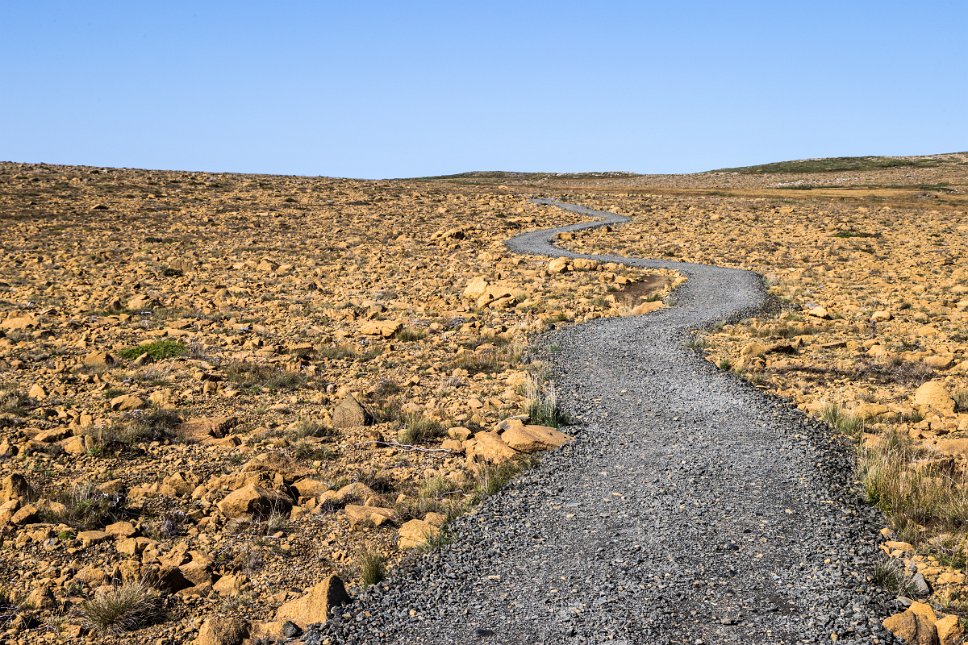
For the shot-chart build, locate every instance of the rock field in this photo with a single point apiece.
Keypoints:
(237, 398)
(231, 387)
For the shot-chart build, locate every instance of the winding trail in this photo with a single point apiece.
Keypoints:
(692, 508)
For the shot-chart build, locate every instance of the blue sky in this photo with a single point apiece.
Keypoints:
(391, 89)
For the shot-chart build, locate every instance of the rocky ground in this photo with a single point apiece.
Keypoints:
(226, 388)
(220, 390)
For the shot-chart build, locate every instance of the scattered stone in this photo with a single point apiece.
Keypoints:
(416, 533)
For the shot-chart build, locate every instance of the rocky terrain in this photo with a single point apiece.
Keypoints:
(219, 390)
(228, 402)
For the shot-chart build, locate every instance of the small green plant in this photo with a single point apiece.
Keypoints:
(372, 568)
(125, 608)
(157, 350)
(725, 364)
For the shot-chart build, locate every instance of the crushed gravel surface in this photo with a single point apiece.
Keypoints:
(692, 508)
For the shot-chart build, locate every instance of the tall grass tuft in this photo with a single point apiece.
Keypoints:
(541, 402)
(896, 478)
(122, 609)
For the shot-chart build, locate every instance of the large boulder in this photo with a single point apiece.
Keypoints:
(487, 446)
(252, 500)
(533, 438)
(934, 396)
(349, 413)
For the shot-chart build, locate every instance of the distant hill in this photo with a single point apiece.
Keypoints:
(840, 164)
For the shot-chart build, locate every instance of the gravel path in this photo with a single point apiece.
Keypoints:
(691, 508)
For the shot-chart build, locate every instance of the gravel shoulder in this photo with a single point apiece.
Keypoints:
(691, 508)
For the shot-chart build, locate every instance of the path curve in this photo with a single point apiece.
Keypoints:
(691, 508)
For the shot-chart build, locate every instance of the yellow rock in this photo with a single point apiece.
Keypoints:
(533, 438)
(912, 627)
(933, 395)
(558, 265)
(314, 606)
(475, 288)
(416, 533)
(487, 446)
(949, 630)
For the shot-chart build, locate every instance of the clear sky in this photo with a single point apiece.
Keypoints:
(391, 89)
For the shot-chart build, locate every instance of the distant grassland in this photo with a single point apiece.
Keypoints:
(840, 164)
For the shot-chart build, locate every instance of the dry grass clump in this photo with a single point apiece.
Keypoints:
(138, 427)
(488, 360)
(844, 422)
(372, 568)
(411, 334)
(541, 402)
(122, 609)
(494, 477)
(84, 507)
(435, 495)
(890, 574)
(310, 428)
(257, 377)
(419, 429)
(897, 478)
(337, 352)
(14, 402)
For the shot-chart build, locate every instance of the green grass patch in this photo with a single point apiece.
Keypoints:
(157, 350)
